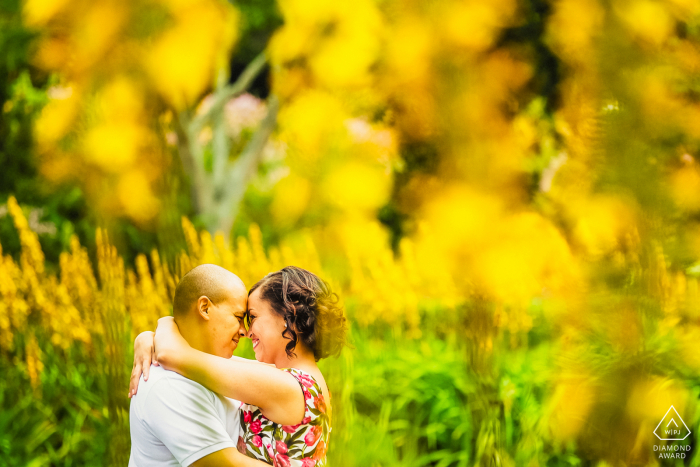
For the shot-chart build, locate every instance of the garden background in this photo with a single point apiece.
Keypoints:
(505, 194)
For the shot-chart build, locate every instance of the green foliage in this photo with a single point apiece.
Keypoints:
(68, 424)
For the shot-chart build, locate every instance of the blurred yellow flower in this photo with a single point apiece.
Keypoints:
(570, 406)
(57, 118)
(184, 60)
(291, 199)
(648, 20)
(573, 27)
(310, 124)
(39, 12)
(685, 187)
(114, 147)
(136, 196)
(604, 223)
(345, 58)
(95, 34)
(357, 186)
(526, 257)
(651, 398)
(409, 51)
(474, 24)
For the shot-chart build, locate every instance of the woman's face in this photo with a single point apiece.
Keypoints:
(266, 327)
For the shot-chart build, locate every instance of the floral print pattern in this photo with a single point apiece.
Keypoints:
(302, 445)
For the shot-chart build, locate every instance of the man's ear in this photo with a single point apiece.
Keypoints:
(204, 307)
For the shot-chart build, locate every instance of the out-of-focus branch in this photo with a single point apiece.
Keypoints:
(224, 94)
(210, 188)
(239, 173)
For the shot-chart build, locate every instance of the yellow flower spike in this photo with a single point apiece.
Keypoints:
(31, 249)
(160, 273)
(145, 280)
(34, 363)
(192, 239)
(244, 261)
(224, 252)
(208, 253)
(182, 266)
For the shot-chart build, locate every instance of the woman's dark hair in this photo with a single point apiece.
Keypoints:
(309, 308)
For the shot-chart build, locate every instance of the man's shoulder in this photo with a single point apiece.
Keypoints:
(165, 383)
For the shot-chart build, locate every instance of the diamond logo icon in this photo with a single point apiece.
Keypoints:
(672, 427)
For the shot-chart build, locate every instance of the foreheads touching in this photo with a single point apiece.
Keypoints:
(210, 281)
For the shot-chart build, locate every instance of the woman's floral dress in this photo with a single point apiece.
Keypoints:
(302, 445)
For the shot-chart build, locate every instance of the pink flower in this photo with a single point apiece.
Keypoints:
(257, 441)
(241, 445)
(281, 447)
(307, 394)
(270, 451)
(306, 420)
(308, 462)
(310, 438)
(290, 428)
(282, 461)
(247, 416)
(256, 426)
(306, 381)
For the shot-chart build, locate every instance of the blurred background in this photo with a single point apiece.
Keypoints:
(505, 194)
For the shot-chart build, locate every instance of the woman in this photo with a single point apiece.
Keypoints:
(293, 320)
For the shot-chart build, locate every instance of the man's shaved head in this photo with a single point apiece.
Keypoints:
(208, 280)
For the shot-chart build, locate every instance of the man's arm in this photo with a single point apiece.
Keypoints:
(229, 457)
(184, 417)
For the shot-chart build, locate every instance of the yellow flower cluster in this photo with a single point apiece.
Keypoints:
(121, 64)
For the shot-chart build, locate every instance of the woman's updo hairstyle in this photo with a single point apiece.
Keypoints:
(309, 308)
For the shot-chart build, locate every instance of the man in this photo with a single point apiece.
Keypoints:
(175, 421)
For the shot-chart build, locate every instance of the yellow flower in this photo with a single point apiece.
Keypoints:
(570, 406)
(184, 60)
(648, 20)
(115, 146)
(356, 186)
(136, 196)
(39, 12)
(573, 27)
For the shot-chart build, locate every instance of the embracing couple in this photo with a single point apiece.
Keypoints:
(197, 405)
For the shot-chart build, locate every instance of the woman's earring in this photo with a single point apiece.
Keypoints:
(285, 325)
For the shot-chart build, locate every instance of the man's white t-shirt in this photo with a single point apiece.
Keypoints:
(175, 421)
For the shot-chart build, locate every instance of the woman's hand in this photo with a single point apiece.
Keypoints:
(169, 342)
(144, 356)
